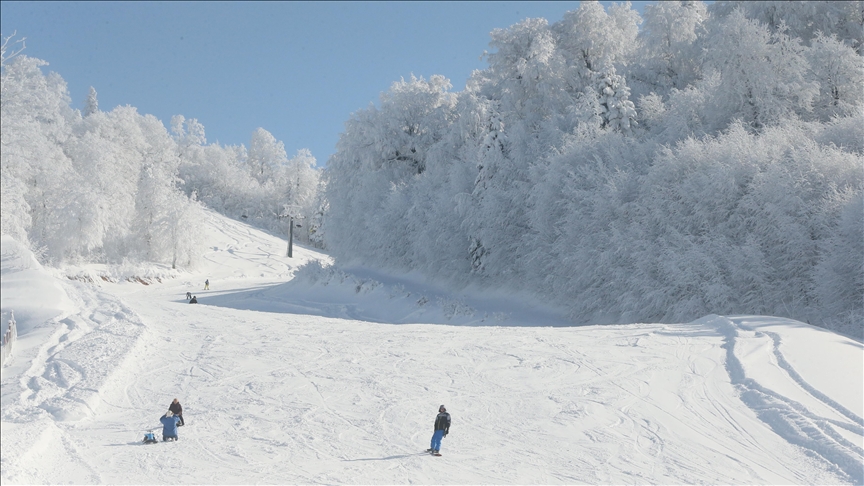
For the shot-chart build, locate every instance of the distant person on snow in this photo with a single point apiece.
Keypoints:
(177, 409)
(169, 426)
(193, 300)
(442, 428)
(207, 284)
(188, 295)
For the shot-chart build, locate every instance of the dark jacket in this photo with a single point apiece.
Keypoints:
(176, 408)
(194, 300)
(442, 422)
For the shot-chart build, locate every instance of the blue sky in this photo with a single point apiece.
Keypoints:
(297, 69)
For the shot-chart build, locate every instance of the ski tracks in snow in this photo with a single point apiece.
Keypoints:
(824, 432)
(64, 385)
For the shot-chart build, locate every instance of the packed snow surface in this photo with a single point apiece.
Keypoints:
(319, 375)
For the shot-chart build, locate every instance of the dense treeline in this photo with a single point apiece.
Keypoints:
(711, 161)
(115, 186)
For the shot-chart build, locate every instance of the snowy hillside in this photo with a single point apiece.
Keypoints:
(319, 375)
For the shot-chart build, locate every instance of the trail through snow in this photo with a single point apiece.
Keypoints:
(318, 375)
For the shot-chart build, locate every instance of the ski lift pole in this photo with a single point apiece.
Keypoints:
(291, 238)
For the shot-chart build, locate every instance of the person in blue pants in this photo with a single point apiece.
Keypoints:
(442, 428)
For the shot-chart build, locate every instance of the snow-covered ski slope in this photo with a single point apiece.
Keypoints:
(335, 377)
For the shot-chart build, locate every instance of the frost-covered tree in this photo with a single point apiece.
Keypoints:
(378, 156)
(593, 42)
(839, 71)
(15, 217)
(839, 276)
(805, 20)
(299, 177)
(91, 105)
(526, 75)
(616, 110)
(266, 155)
(486, 201)
(763, 76)
(35, 123)
(593, 39)
(667, 55)
(10, 47)
(188, 134)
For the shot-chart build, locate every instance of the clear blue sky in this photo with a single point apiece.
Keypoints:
(297, 69)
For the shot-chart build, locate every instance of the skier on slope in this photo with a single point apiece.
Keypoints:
(169, 426)
(193, 300)
(207, 284)
(442, 428)
(177, 409)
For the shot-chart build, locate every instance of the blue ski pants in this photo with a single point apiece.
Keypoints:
(436, 440)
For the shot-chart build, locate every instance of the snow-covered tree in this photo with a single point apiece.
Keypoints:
(667, 55)
(763, 77)
(804, 20)
(616, 110)
(266, 155)
(378, 157)
(839, 276)
(839, 71)
(593, 39)
(91, 105)
(188, 134)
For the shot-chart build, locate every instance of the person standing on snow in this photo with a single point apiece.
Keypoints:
(442, 428)
(177, 409)
(169, 426)
(188, 295)
(207, 284)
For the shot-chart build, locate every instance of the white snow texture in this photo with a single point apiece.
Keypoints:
(335, 376)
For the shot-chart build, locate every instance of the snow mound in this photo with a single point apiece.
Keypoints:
(28, 289)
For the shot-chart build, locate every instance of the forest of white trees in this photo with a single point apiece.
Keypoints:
(697, 159)
(110, 187)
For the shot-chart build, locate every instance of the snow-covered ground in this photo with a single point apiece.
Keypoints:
(335, 376)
